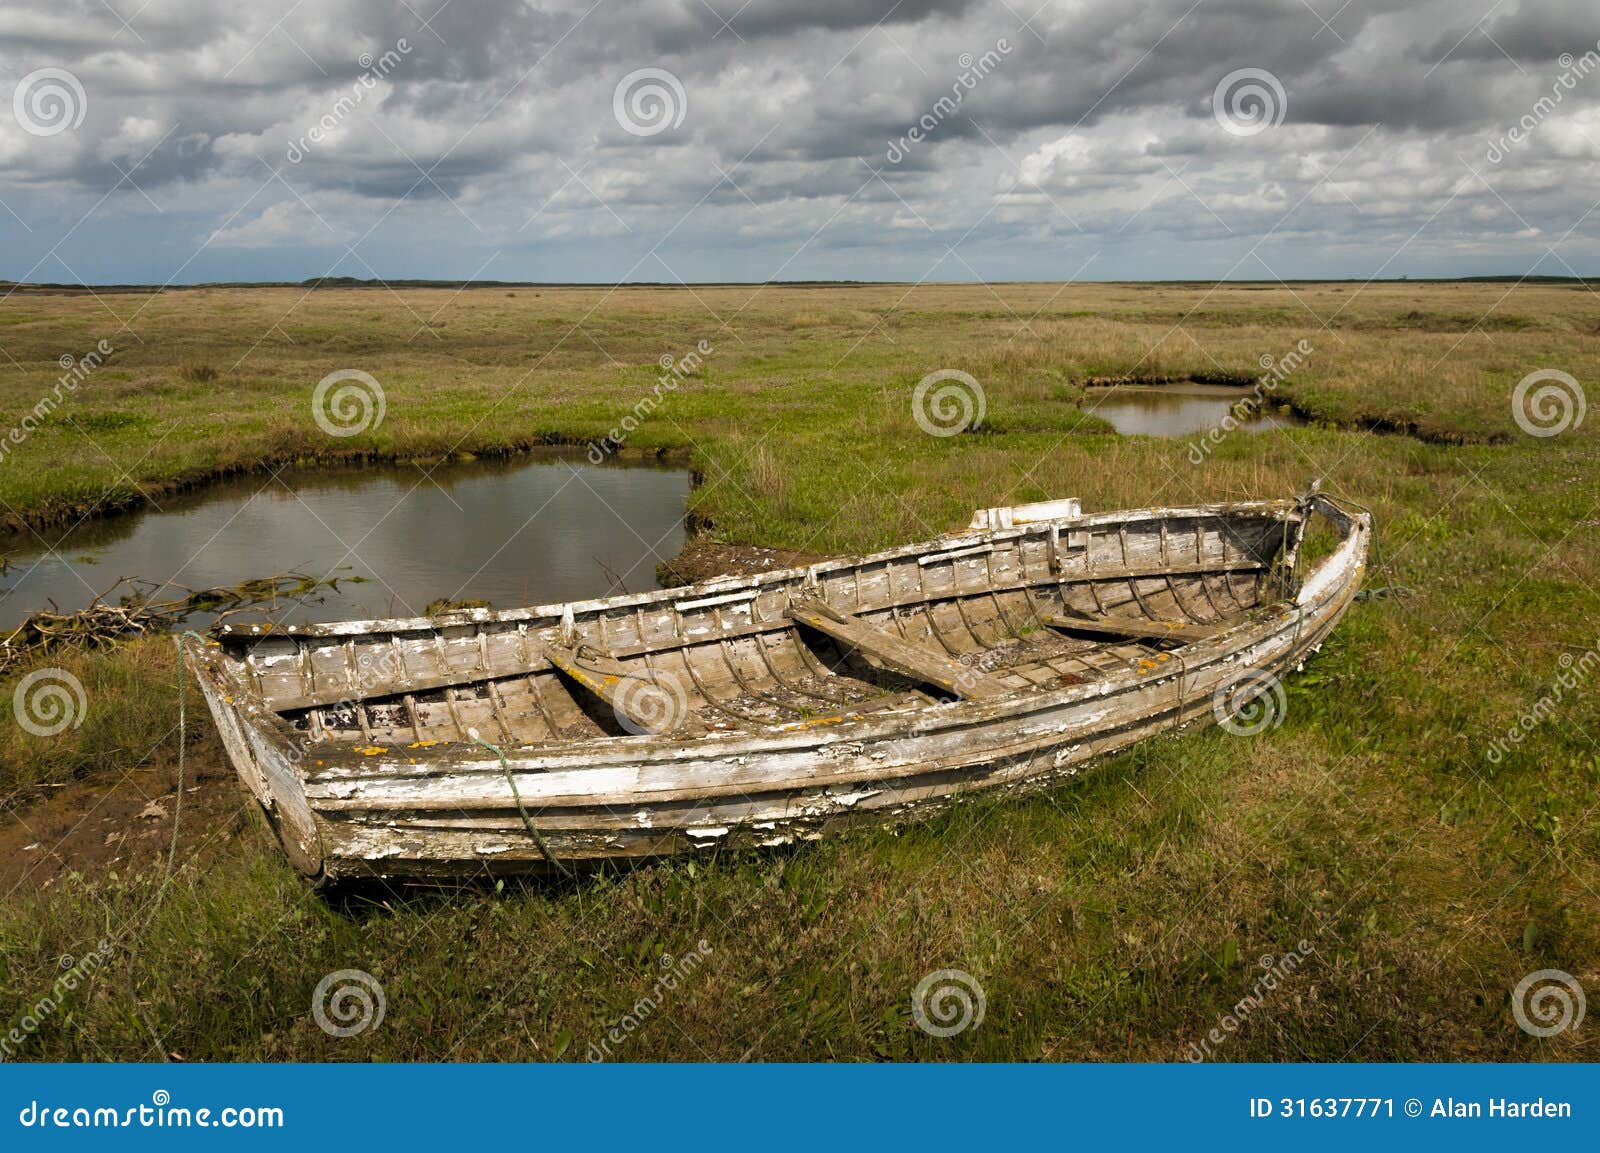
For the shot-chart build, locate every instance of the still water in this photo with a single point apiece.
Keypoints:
(553, 528)
(1179, 410)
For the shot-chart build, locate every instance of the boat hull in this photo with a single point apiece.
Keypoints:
(474, 808)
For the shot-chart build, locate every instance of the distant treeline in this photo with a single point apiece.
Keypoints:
(12, 287)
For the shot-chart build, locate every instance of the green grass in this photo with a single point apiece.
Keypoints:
(1118, 917)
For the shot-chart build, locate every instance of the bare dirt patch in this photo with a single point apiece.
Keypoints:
(703, 558)
(95, 827)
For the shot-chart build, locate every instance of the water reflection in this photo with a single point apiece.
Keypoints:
(1181, 410)
(552, 528)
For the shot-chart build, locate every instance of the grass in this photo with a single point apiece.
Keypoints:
(1120, 917)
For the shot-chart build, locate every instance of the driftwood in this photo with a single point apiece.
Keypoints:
(129, 609)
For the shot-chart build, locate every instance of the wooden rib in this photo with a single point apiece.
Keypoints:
(1172, 585)
(409, 698)
(886, 649)
(725, 651)
(820, 668)
(945, 631)
(1088, 564)
(967, 622)
(1177, 599)
(772, 668)
(776, 646)
(1205, 585)
(1133, 584)
(449, 701)
(350, 667)
(497, 711)
(737, 717)
(561, 706)
(533, 683)
(1228, 582)
(994, 594)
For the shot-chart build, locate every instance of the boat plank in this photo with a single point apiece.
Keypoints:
(895, 654)
(610, 680)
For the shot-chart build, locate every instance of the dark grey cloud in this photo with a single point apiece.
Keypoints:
(449, 132)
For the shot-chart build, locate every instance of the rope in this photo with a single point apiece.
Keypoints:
(183, 739)
(527, 821)
(1384, 591)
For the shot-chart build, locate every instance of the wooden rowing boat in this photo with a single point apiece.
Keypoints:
(757, 710)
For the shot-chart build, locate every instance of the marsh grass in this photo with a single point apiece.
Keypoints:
(1117, 917)
(199, 372)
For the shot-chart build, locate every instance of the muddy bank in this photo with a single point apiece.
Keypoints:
(1391, 426)
(124, 824)
(703, 558)
(1230, 379)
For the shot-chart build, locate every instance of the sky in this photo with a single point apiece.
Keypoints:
(187, 141)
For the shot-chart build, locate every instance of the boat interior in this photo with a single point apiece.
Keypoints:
(1031, 607)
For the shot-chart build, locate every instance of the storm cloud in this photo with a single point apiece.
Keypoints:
(666, 140)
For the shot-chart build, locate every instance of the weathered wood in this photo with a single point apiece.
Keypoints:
(643, 700)
(890, 652)
(1132, 627)
(749, 739)
(400, 686)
